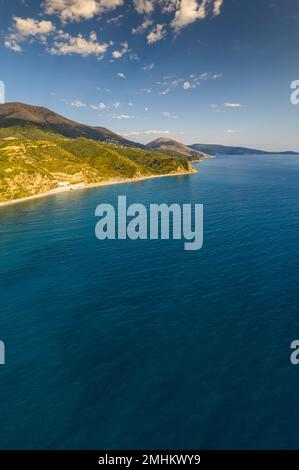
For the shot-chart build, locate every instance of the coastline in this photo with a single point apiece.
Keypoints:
(92, 186)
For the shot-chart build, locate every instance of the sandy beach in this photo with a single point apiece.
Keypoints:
(91, 186)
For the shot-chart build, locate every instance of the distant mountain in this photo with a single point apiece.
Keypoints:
(198, 151)
(171, 145)
(31, 120)
(225, 150)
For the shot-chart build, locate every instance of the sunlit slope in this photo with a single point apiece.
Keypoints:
(29, 167)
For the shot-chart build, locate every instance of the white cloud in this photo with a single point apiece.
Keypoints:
(189, 11)
(154, 132)
(79, 45)
(30, 27)
(187, 85)
(233, 105)
(98, 106)
(118, 54)
(167, 114)
(121, 75)
(144, 6)
(178, 13)
(216, 76)
(130, 134)
(168, 6)
(146, 109)
(143, 26)
(116, 104)
(216, 108)
(115, 19)
(78, 104)
(191, 82)
(122, 117)
(176, 82)
(203, 76)
(148, 67)
(185, 11)
(12, 44)
(232, 131)
(76, 10)
(25, 28)
(157, 33)
(217, 7)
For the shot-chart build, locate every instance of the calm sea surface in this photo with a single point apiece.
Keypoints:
(140, 344)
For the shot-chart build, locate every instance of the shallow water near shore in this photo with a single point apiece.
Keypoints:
(140, 344)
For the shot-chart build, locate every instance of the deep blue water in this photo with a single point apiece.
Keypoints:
(123, 344)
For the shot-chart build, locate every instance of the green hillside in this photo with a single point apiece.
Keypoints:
(34, 161)
(26, 131)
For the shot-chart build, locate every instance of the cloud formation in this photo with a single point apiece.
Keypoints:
(188, 12)
(185, 11)
(144, 6)
(173, 15)
(156, 34)
(27, 28)
(148, 67)
(232, 131)
(143, 26)
(187, 85)
(233, 105)
(77, 10)
(118, 54)
(130, 134)
(122, 117)
(98, 106)
(155, 132)
(167, 114)
(78, 104)
(217, 7)
(66, 44)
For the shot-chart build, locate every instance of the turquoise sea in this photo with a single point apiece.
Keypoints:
(140, 344)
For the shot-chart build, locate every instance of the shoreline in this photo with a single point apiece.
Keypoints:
(92, 186)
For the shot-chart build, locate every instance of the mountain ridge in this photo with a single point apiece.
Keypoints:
(30, 119)
(208, 150)
(171, 145)
(21, 114)
(214, 149)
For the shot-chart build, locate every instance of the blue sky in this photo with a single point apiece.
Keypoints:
(199, 71)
